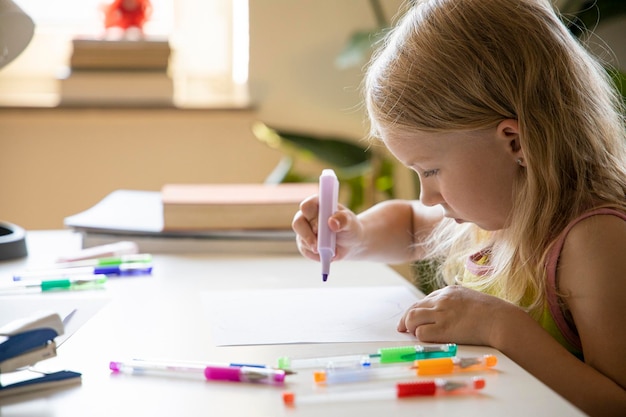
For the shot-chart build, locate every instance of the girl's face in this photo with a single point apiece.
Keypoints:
(470, 174)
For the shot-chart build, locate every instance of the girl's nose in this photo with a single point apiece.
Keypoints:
(430, 196)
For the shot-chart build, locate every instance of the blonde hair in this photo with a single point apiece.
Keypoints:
(469, 64)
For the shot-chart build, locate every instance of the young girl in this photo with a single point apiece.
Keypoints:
(518, 138)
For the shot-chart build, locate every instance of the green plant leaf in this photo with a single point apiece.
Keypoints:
(358, 49)
(339, 152)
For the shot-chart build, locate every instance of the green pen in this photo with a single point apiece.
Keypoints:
(108, 261)
(383, 356)
(78, 282)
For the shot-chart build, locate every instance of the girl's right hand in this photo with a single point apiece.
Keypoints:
(344, 222)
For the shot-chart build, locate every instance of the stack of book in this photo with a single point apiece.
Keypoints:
(196, 218)
(118, 72)
(232, 206)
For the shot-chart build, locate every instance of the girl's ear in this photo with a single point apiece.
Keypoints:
(508, 131)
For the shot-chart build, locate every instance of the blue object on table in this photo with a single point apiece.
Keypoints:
(25, 342)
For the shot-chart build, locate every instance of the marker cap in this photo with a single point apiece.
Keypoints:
(415, 389)
(411, 353)
(435, 366)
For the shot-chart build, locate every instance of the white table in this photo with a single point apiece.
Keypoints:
(160, 317)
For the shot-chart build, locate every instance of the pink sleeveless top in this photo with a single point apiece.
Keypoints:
(567, 332)
(553, 318)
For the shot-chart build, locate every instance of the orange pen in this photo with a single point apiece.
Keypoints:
(435, 366)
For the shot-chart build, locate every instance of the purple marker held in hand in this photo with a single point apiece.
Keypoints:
(328, 196)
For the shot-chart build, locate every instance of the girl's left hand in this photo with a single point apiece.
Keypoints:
(455, 314)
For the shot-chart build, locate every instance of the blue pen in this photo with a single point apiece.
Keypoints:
(136, 268)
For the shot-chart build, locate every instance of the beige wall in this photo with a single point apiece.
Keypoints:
(56, 162)
(59, 162)
(293, 76)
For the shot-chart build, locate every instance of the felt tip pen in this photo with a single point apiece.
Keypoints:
(400, 391)
(251, 374)
(70, 283)
(328, 197)
(127, 269)
(383, 356)
(107, 261)
(245, 374)
(142, 366)
(436, 366)
(111, 249)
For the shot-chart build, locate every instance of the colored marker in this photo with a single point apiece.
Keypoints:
(135, 268)
(328, 196)
(236, 373)
(383, 356)
(111, 249)
(108, 261)
(142, 366)
(245, 374)
(401, 390)
(76, 282)
(436, 366)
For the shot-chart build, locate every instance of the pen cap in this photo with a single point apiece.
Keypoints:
(411, 353)
(319, 377)
(435, 366)
(218, 373)
(490, 360)
(415, 389)
(328, 199)
(289, 398)
(478, 383)
(284, 363)
(244, 374)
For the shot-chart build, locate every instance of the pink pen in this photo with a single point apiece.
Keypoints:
(328, 196)
(245, 374)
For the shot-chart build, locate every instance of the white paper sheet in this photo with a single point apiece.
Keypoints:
(77, 304)
(307, 315)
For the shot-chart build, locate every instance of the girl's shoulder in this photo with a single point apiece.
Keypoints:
(592, 223)
(591, 251)
(601, 225)
(590, 284)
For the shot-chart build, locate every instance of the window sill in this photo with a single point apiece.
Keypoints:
(188, 93)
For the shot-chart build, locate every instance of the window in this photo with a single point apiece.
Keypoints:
(209, 40)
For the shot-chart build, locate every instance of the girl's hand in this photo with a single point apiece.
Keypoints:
(344, 222)
(455, 314)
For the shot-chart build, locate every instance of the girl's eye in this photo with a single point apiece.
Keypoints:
(430, 172)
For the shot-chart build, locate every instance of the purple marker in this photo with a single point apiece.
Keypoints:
(124, 269)
(328, 196)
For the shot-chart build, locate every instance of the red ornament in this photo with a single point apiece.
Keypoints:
(126, 14)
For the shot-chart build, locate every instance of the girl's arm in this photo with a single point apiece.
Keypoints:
(581, 383)
(592, 277)
(384, 232)
(391, 230)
